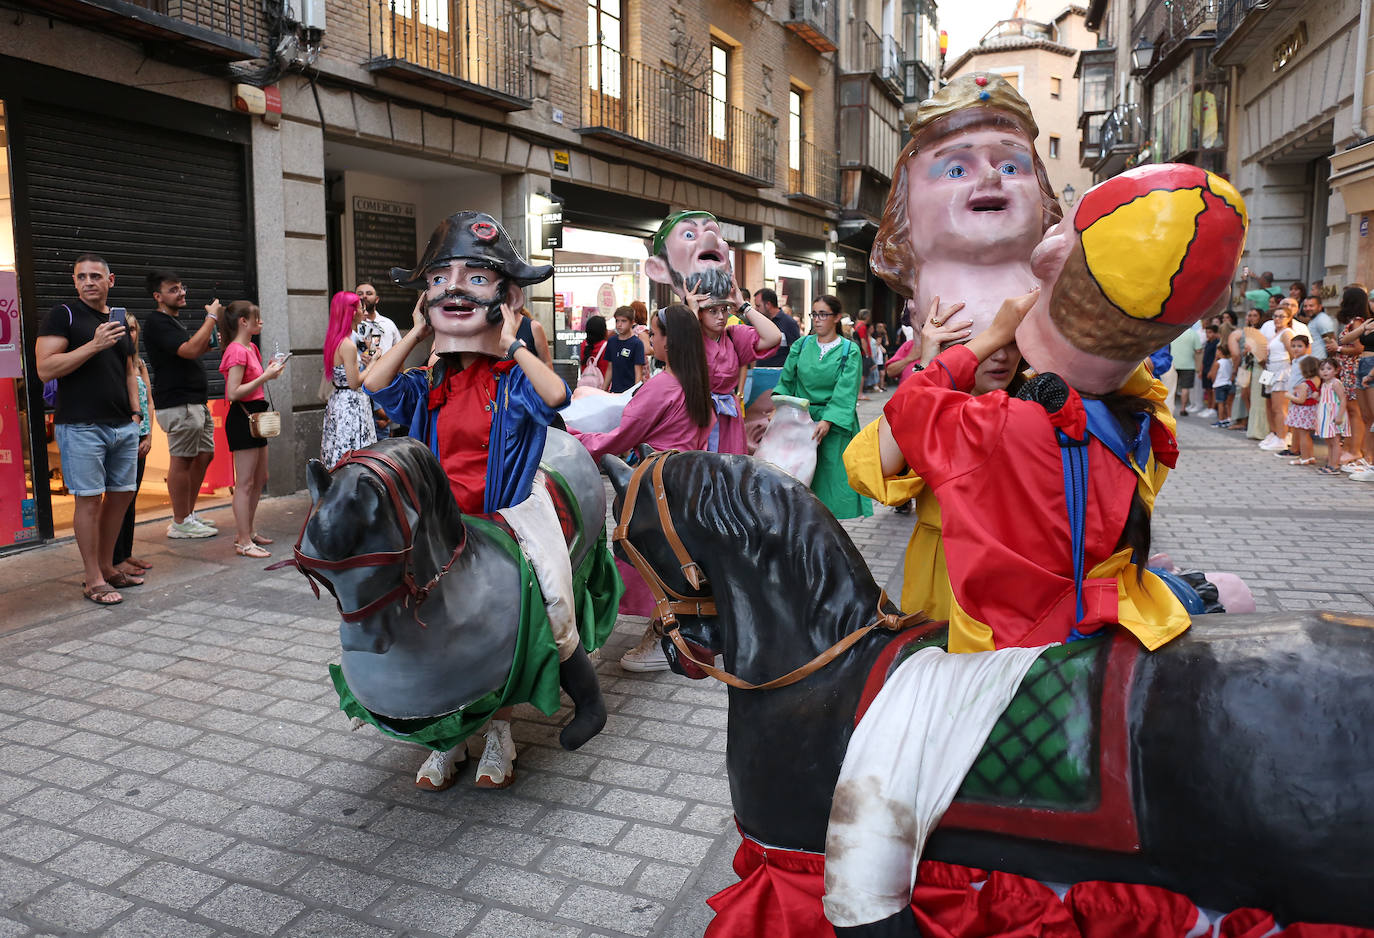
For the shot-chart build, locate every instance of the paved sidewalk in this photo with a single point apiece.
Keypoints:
(177, 765)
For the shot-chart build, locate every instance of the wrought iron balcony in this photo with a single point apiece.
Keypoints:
(1241, 29)
(811, 175)
(224, 29)
(651, 109)
(477, 49)
(881, 56)
(815, 21)
(1166, 24)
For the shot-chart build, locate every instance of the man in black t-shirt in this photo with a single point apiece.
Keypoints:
(625, 352)
(767, 302)
(96, 422)
(179, 389)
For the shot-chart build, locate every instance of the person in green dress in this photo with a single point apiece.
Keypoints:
(824, 368)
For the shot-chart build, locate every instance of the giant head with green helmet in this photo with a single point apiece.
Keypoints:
(689, 253)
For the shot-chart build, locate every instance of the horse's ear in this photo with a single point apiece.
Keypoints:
(617, 471)
(317, 479)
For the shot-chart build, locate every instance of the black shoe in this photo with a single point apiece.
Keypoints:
(578, 679)
(905, 507)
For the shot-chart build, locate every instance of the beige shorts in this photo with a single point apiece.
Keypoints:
(189, 429)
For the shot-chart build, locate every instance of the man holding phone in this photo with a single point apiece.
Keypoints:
(179, 394)
(88, 352)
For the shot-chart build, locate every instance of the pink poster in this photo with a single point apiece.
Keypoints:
(11, 352)
(18, 521)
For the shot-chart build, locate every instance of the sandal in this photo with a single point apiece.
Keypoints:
(1330, 471)
(122, 580)
(136, 562)
(102, 595)
(260, 540)
(252, 551)
(1309, 461)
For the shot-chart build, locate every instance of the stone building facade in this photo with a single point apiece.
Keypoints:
(605, 115)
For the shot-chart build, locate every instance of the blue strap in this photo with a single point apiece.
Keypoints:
(1074, 456)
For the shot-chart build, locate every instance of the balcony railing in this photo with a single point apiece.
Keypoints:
(478, 49)
(815, 21)
(1167, 23)
(1230, 15)
(225, 29)
(881, 56)
(652, 109)
(811, 174)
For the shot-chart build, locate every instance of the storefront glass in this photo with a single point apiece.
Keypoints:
(18, 510)
(594, 272)
(1189, 104)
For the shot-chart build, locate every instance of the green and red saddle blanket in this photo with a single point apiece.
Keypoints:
(533, 675)
(1056, 765)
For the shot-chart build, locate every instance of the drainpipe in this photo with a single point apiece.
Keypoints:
(1361, 64)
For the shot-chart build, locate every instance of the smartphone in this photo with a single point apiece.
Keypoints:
(120, 315)
(282, 357)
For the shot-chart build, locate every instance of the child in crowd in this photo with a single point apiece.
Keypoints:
(1220, 375)
(1302, 411)
(1212, 334)
(1332, 418)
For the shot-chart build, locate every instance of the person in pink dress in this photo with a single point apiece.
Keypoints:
(673, 409)
(730, 350)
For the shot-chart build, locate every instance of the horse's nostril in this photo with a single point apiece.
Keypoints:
(356, 636)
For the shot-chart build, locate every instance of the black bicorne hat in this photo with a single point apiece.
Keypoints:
(480, 240)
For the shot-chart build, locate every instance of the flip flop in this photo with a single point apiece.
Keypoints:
(252, 551)
(122, 580)
(102, 595)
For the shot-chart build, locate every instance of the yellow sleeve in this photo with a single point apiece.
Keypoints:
(864, 468)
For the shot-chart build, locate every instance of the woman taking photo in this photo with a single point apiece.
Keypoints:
(825, 368)
(244, 381)
(348, 423)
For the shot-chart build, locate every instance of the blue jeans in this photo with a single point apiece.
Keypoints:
(98, 457)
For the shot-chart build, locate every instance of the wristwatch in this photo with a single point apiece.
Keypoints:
(745, 307)
(917, 366)
(515, 346)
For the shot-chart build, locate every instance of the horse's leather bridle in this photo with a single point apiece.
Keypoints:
(670, 603)
(408, 592)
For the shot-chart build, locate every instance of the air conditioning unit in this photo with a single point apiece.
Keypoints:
(308, 14)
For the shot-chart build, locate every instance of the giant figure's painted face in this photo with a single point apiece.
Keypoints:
(695, 258)
(974, 197)
(458, 298)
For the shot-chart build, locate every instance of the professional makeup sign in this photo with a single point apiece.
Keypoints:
(383, 238)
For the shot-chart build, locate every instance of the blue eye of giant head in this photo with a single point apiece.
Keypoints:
(477, 279)
(438, 279)
(1010, 169)
(689, 235)
(955, 172)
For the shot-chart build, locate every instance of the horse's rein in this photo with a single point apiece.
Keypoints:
(407, 591)
(670, 608)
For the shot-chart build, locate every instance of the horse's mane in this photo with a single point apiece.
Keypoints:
(762, 524)
(437, 508)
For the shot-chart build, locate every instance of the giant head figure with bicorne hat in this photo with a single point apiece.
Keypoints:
(1145, 255)
(469, 270)
(689, 253)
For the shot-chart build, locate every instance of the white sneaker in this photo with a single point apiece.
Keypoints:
(497, 766)
(646, 656)
(440, 769)
(1272, 443)
(1364, 475)
(1209, 412)
(190, 528)
(194, 516)
(1355, 465)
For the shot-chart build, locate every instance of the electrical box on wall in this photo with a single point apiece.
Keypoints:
(308, 14)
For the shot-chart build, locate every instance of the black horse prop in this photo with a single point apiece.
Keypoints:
(1235, 765)
(431, 601)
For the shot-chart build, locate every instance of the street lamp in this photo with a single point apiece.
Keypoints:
(1142, 56)
(1068, 194)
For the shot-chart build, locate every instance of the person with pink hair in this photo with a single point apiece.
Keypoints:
(348, 423)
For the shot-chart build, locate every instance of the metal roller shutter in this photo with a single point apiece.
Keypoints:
(141, 197)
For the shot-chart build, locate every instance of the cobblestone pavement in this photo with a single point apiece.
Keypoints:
(177, 765)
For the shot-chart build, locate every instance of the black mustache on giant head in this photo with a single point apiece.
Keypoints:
(493, 306)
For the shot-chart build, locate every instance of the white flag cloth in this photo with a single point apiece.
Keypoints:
(905, 762)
